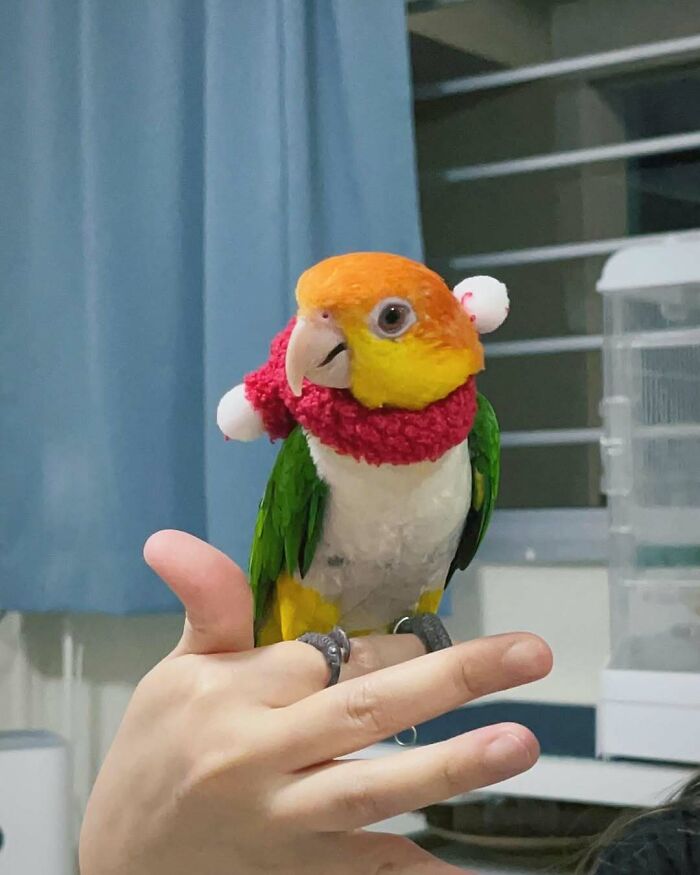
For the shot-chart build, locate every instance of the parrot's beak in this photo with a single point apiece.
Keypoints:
(317, 350)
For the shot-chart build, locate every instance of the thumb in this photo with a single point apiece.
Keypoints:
(217, 599)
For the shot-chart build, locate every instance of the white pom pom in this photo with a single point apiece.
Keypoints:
(237, 417)
(486, 301)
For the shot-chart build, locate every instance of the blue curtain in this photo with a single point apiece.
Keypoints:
(167, 169)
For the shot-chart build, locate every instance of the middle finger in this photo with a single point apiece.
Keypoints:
(349, 794)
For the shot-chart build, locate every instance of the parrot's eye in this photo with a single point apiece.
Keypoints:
(392, 317)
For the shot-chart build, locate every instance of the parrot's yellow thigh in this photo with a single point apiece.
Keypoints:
(429, 602)
(294, 610)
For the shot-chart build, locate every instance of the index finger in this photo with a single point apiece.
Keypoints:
(294, 671)
(371, 708)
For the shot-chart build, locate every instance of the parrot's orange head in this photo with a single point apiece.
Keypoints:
(385, 327)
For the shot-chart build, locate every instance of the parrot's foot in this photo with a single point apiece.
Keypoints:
(335, 647)
(429, 628)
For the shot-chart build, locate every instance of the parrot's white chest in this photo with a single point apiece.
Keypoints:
(390, 532)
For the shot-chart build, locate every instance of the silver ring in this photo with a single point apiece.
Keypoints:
(399, 624)
(413, 740)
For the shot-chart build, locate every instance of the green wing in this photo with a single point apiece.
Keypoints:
(290, 519)
(484, 451)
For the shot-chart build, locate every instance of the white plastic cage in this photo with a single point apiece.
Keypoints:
(651, 465)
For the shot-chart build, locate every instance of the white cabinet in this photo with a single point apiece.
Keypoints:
(34, 804)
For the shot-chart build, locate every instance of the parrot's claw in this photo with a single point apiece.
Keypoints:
(335, 647)
(429, 628)
(342, 640)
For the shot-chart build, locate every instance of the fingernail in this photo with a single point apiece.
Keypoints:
(524, 658)
(508, 754)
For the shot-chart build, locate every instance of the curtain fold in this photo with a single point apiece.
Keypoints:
(166, 172)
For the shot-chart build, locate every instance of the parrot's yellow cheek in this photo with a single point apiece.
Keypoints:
(409, 373)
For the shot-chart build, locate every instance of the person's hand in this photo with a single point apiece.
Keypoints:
(226, 760)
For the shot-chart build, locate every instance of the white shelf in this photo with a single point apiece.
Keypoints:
(570, 779)
(550, 437)
(562, 251)
(544, 345)
(572, 158)
(532, 535)
(651, 715)
(616, 61)
(604, 782)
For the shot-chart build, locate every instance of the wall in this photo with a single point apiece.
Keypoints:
(510, 32)
(567, 606)
(115, 653)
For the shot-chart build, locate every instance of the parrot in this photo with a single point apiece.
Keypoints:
(386, 479)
